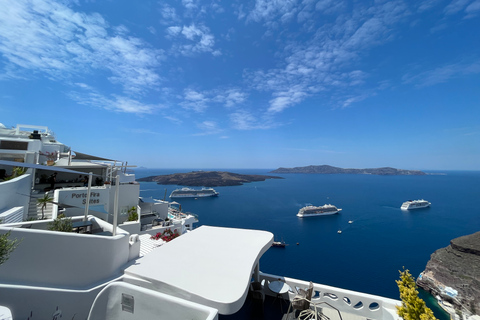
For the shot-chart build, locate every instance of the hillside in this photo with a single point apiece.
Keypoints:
(457, 267)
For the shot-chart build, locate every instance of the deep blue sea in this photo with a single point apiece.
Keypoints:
(369, 252)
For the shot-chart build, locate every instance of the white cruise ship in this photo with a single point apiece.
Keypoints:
(312, 211)
(415, 204)
(193, 193)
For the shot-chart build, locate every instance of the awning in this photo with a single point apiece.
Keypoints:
(84, 156)
(212, 266)
(38, 166)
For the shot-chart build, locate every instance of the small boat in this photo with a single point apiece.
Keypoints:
(350, 221)
(279, 244)
(339, 231)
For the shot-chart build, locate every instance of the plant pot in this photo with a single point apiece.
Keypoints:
(50, 162)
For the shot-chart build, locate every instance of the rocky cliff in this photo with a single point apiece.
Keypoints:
(453, 273)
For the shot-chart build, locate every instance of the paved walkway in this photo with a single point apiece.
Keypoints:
(147, 245)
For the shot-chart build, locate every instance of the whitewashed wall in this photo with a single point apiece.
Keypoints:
(49, 258)
(16, 193)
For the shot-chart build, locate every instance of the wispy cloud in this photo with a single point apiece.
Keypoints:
(273, 10)
(245, 120)
(199, 101)
(62, 43)
(90, 97)
(285, 99)
(194, 100)
(142, 131)
(442, 74)
(168, 14)
(324, 63)
(231, 97)
(473, 9)
(208, 128)
(456, 6)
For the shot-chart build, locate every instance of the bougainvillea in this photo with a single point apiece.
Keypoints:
(166, 235)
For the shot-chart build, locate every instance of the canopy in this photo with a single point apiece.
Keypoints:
(38, 166)
(212, 266)
(84, 156)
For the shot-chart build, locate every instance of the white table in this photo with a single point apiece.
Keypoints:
(5, 313)
(279, 287)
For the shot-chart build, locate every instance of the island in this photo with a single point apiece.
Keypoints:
(325, 169)
(453, 275)
(207, 178)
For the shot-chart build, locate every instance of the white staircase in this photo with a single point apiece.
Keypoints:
(35, 210)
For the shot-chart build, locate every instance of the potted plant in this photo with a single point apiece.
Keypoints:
(51, 157)
(132, 214)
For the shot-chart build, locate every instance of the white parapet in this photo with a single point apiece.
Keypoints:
(347, 302)
(126, 301)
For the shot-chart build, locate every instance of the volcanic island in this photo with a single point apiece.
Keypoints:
(207, 179)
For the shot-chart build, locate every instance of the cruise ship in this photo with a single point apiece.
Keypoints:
(415, 204)
(111, 268)
(193, 193)
(312, 211)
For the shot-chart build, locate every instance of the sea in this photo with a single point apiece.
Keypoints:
(369, 252)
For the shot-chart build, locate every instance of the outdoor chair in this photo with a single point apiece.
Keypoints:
(256, 292)
(258, 297)
(300, 303)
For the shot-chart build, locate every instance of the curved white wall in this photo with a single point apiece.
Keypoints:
(15, 193)
(59, 259)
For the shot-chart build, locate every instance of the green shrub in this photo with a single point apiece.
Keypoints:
(61, 223)
(7, 246)
(132, 214)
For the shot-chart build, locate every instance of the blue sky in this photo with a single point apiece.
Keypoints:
(249, 84)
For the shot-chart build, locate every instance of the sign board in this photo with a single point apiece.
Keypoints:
(78, 198)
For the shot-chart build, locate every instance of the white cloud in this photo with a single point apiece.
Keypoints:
(267, 10)
(196, 39)
(195, 101)
(456, 6)
(200, 101)
(49, 37)
(208, 128)
(190, 4)
(115, 103)
(230, 97)
(174, 120)
(245, 120)
(168, 14)
(174, 31)
(285, 99)
(325, 61)
(473, 9)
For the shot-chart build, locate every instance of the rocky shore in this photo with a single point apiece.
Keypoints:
(453, 274)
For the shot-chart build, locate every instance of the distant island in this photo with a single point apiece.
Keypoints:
(207, 178)
(325, 169)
